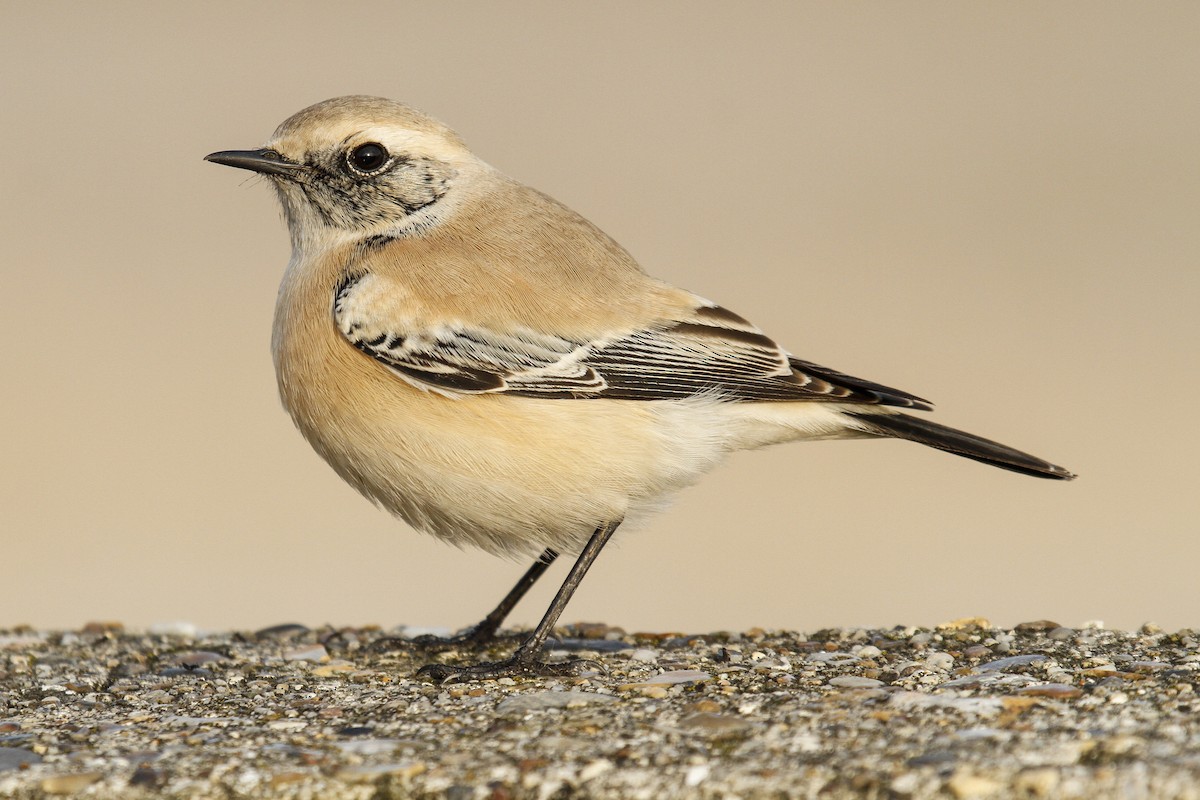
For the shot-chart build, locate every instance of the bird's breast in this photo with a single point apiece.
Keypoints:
(509, 474)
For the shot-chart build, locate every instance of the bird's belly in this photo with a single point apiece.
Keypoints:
(512, 475)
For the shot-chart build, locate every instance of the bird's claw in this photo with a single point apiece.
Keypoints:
(514, 667)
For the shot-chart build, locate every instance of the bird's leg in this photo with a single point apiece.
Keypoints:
(483, 632)
(524, 662)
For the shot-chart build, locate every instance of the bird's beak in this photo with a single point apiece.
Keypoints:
(268, 162)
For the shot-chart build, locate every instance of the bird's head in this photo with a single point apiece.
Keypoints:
(356, 167)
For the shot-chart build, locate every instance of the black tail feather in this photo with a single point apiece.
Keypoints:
(914, 429)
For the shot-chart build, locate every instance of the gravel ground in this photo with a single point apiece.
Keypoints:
(964, 710)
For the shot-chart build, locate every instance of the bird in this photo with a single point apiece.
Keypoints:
(480, 360)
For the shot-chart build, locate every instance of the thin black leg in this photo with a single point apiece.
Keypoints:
(524, 660)
(484, 632)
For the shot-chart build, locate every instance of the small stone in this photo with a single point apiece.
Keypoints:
(1037, 782)
(540, 701)
(714, 725)
(372, 774)
(1058, 690)
(180, 629)
(1037, 626)
(966, 623)
(644, 654)
(69, 784)
(593, 630)
(840, 659)
(103, 627)
(680, 676)
(146, 777)
(195, 658)
(369, 747)
(906, 783)
(288, 630)
(1001, 664)
(16, 758)
(332, 668)
(703, 706)
(696, 775)
(855, 682)
(1061, 634)
(977, 651)
(595, 769)
(966, 786)
(290, 725)
(942, 662)
(1122, 745)
(316, 652)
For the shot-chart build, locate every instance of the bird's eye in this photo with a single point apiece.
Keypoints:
(367, 158)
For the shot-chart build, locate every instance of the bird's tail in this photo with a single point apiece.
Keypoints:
(915, 429)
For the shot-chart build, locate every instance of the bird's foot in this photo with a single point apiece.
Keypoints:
(475, 638)
(518, 666)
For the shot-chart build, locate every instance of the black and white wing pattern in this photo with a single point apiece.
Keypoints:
(714, 353)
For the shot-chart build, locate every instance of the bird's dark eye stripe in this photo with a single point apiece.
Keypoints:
(368, 158)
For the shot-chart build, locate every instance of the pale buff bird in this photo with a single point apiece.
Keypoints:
(480, 360)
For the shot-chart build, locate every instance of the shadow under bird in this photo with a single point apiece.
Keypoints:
(480, 360)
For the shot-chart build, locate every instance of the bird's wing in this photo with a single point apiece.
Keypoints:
(710, 352)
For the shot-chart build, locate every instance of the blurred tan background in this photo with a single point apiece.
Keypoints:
(994, 206)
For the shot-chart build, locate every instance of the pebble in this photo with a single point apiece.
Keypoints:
(714, 725)
(1037, 782)
(195, 658)
(316, 652)
(833, 658)
(183, 630)
(286, 631)
(369, 747)
(679, 676)
(1059, 690)
(333, 667)
(371, 774)
(854, 682)
(966, 786)
(69, 784)
(540, 701)
(942, 662)
(696, 775)
(1001, 664)
(966, 623)
(15, 758)
(595, 769)
(983, 706)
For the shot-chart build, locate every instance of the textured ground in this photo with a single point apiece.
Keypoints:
(961, 711)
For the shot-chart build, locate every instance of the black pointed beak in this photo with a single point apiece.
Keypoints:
(268, 162)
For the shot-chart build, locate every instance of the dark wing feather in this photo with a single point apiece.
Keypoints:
(717, 353)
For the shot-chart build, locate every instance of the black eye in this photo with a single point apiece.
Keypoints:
(368, 157)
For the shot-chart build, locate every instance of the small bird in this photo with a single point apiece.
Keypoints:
(482, 361)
